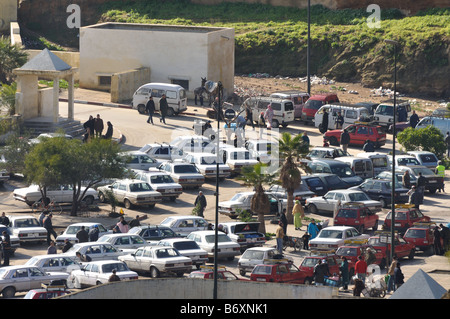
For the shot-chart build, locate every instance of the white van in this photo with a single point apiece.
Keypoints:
(362, 167)
(299, 99)
(441, 123)
(283, 110)
(351, 114)
(380, 161)
(175, 95)
(384, 114)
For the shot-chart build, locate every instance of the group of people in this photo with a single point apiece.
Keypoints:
(163, 109)
(94, 128)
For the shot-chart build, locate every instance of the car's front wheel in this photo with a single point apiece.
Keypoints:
(154, 272)
(101, 197)
(127, 204)
(312, 209)
(9, 292)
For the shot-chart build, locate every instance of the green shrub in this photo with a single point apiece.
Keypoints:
(423, 139)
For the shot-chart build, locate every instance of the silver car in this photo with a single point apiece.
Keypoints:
(95, 250)
(185, 174)
(54, 262)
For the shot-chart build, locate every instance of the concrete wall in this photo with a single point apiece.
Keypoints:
(124, 84)
(186, 288)
(26, 104)
(8, 13)
(45, 101)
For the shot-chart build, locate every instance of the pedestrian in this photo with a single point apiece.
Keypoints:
(337, 207)
(6, 247)
(249, 115)
(4, 220)
(440, 171)
(113, 276)
(390, 272)
(361, 268)
(447, 142)
(163, 108)
(42, 216)
(67, 245)
(93, 233)
(445, 234)
(406, 180)
(51, 250)
(279, 235)
(218, 110)
(98, 126)
(200, 202)
(82, 235)
(313, 230)
(345, 140)
(135, 222)
(398, 276)
(414, 197)
(83, 258)
(240, 129)
(421, 182)
(305, 239)
(150, 108)
(48, 225)
(298, 214)
(123, 225)
(284, 221)
(268, 116)
(109, 131)
(402, 114)
(339, 121)
(343, 268)
(437, 241)
(368, 146)
(320, 271)
(305, 138)
(89, 127)
(413, 119)
(324, 125)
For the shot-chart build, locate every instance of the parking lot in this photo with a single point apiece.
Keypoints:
(136, 132)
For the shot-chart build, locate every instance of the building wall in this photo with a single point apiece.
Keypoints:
(123, 84)
(8, 13)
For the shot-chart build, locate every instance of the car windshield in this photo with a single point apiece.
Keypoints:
(262, 270)
(238, 197)
(347, 213)
(399, 215)
(253, 255)
(342, 171)
(330, 233)
(240, 155)
(106, 268)
(347, 251)
(423, 170)
(186, 245)
(26, 222)
(384, 110)
(357, 197)
(309, 262)
(415, 233)
(140, 187)
(221, 238)
(313, 104)
(180, 169)
(167, 253)
(315, 182)
(161, 179)
(168, 221)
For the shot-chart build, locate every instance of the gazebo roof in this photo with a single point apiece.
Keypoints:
(46, 62)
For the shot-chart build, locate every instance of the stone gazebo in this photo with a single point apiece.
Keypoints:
(43, 104)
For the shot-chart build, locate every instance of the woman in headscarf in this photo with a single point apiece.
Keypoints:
(298, 214)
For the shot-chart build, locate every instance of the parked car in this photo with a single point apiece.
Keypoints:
(384, 113)
(298, 98)
(439, 122)
(193, 144)
(370, 106)
(314, 103)
(14, 240)
(95, 250)
(359, 134)
(131, 192)
(236, 158)
(139, 160)
(124, 241)
(321, 183)
(184, 225)
(320, 152)
(330, 238)
(41, 137)
(158, 260)
(352, 251)
(306, 268)
(356, 215)
(399, 176)
(433, 181)
(342, 170)
(381, 190)
(27, 228)
(187, 175)
(328, 202)
(23, 278)
(54, 262)
(261, 149)
(301, 193)
(380, 161)
(404, 160)
(71, 232)
(161, 182)
(161, 152)
(205, 239)
(49, 292)
(381, 242)
(208, 273)
(362, 167)
(98, 272)
(244, 233)
(206, 163)
(153, 232)
(187, 248)
(281, 271)
(427, 159)
(59, 194)
(405, 217)
(420, 234)
(283, 110)
(256, 255)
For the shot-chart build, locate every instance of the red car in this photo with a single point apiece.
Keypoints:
(381, 242)
(405, 216)
(307, 267)
(277, 270)
(356, 215)
(47, 292)
(207, 272)
(421, 235)
(359, 133)
(314, 103)
(352, 250)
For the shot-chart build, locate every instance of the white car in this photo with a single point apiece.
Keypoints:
(244, 233)
(161, 182)
(27, 228)
(124, 241)
(404, 160)
(261, 150)
(187, 248)
(54, 262)
(205, 239)
(59, 194)
(256, 256)
(158, 260)
(327, 203)
(193, 144)
(15, 242)
(24, 278)
(139, 160)
(98, 272)
(326, 152)
(43, 136)
(131, 192)
(427, 159)
(236, 158)
(185, 174)
(331, 238)
(301, 193)
(96, 251)
(206, 164)
(161, 152)
(71, 232)
(184, 225)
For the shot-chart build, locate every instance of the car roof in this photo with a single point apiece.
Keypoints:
(50, 256)
(238, 223)
(21, 216)
(346, 191)
(261, 248)
(206, 232)
(339, 227)
(85, 224)
(102, 262)
(328, 161)
(178, 239)
(185, 216)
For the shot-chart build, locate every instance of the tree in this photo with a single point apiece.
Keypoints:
(423, 139)
(290, 149)
(58, 161)
(11, 57)
(255, 176)
(16, 146)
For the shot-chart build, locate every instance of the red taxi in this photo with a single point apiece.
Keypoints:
(352, 250)
(359, 133)
(47, 292)
(405, 216)
(207, 272)
(356, 215)
(277, 270)
(307, 266)
(421, 235)
(381, 242)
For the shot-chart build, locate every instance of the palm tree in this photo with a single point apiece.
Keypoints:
(291, 149)
(256, 176)
(11, 57)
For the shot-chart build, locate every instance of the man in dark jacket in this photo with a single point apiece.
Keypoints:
(93, 233)
(324, 126)
(98, 126)
(150, 108)
(82, 235)
(6, 247)
(201, 201)
(48, 225)
(345, 140)
(163, 108)
(109, 131)
(414, 119)
(320, 271)
(368, 146)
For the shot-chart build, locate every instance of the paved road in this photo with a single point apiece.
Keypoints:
(137, 132)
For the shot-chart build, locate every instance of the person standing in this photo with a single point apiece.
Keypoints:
(406, 180)
(163, 108)
(320, 271)
(6, 247)
(150, 108)
(414, 197)
(89, 127)
(437, 241)
(200, 201)
(48, 225)
(445, 234)
(324, 126)
(339, 122)
(4, 220)
(390, 272)
(109, 131)
(135, 222)
(268, 116)
(113, 276)
(305, 239)
(440, 171)
(299, 214)
(51, 250)
(123, 225)
(398, 276)
(305, 138)
(249, 115)
(447, 142)
(413, 119)
(67, 245)
(284, 221)
(312, 230)
(361, 268)
(421, 182)
(279, 236)
(343, 268)
(98, 126)
(93, 233)
(82, 235)
(345, 140)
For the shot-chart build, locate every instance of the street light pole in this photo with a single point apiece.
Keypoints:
(308, 75)
(394, 133)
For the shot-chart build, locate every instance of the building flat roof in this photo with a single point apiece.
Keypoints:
(154, 27)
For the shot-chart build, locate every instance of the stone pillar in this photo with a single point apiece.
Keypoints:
(55, 99)
(70, 101)
(27, 85)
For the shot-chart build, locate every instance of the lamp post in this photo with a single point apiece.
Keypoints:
(394, 133)
(308, 75)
